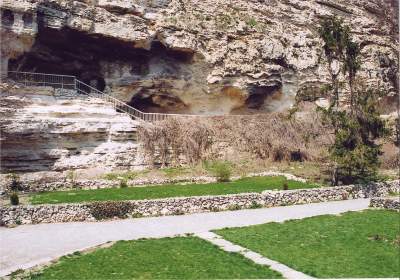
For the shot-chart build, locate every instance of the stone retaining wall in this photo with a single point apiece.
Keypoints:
(392, 203)
(174, 206)
(30, 186)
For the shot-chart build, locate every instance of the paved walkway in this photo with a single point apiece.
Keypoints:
(227, 246)
(30, 245)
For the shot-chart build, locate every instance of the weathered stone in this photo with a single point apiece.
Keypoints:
(392, 203)
(182, 56)
(45, 130)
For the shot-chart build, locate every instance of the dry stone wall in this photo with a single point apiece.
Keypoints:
(392, 203)
(176, 206)
(40, 185)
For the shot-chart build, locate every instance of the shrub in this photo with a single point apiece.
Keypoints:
(255, 205)
(71, 176)
(234, 207)
(14, 199)
(110, 209)
(123, 184)
(252, 22)
(15, 184)
(222, 170)
(285, 186)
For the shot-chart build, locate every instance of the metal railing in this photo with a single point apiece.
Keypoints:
(81, 88)
(40, 79)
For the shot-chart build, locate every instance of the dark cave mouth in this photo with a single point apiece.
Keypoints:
(259, 94)
(71, 52)
(163, 103)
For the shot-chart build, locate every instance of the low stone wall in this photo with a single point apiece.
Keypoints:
(392, 203)
(30, 186)
(174, 206)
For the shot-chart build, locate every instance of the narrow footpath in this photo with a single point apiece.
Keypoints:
(29, 245)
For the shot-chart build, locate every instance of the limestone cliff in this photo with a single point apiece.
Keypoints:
(45, 129)
(208, 56)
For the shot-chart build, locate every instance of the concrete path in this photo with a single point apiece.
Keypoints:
(29, 245)
(228, 246)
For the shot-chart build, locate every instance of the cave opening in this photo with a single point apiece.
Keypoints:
(164, 103)
(27, 18)
(259, 94)
(7, 18)
(109, 64)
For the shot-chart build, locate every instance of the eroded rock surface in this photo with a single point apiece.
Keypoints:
(209, 56)
(46, 129)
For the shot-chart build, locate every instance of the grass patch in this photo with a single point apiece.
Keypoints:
(354, 245)
(251, 184)
(394, 194)
(171, 172)
(128, 175)
(166, 258)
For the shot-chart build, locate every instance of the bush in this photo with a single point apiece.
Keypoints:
(72, 176)
(285, 186)
(110, 209)
(222, 170)
(15, 184)
(255, 205)
(14, 199)
(123, 184)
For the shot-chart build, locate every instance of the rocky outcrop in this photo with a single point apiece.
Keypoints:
(177, 206)
(208, 56)
(47, 129)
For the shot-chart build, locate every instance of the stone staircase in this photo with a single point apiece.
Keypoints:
(78, 88)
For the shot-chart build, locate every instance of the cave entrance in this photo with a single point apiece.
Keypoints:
(157, 103)
(7, 18)
(28, 20)
(258, 95)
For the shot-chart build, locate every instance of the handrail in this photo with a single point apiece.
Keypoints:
(72, 83)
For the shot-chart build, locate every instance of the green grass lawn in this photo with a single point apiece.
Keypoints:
(354, 245)
(252, 184)
(166, 258)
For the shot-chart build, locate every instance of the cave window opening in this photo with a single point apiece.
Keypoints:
(28, 20)
(7, 17)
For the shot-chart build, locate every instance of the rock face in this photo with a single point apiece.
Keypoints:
(47, 129)
(208, 57)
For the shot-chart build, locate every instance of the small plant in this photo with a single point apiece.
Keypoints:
(137, 215)
(15, 184)
(71, 176)
(178, 212)
(123, 184)
(16, 273)
(222, 170)
(252, 22)
(14, 199)
(214, 209)
(234, 207)
(285, 186)
(255, 205)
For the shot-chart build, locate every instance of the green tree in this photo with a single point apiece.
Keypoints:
(355, 151)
